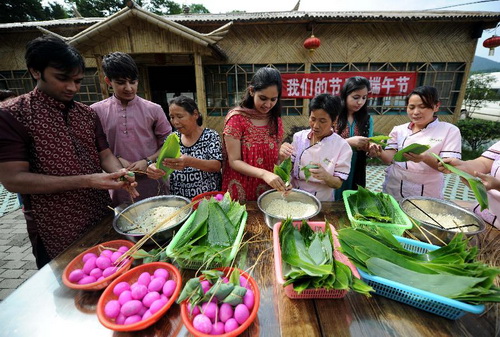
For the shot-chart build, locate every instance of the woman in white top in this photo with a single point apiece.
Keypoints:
(419, 175)
(486, 167)
(322, 147)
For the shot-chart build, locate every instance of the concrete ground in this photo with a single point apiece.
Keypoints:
(17, 263)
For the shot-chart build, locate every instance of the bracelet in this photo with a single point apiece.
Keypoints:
(148, 161)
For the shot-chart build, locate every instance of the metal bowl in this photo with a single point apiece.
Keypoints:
(294, 195)
(132, 212)
(440, 207)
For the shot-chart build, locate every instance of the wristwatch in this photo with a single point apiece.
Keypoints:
(148, 161)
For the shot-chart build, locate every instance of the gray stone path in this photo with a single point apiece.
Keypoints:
(17, 262)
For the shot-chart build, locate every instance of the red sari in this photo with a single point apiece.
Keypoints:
(259, 148)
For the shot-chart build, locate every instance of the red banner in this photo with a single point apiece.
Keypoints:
(383, 83)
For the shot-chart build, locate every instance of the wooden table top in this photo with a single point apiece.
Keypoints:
(43, 306)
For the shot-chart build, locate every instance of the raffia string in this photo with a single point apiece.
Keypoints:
(147, 236)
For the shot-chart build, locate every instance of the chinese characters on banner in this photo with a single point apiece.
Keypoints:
(383, 83)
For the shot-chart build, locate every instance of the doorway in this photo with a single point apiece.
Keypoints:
(168, 82)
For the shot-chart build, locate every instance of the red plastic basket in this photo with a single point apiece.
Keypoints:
(187, 319)
(206, 195)
(131, 276)
(310, 293)
(77, 263)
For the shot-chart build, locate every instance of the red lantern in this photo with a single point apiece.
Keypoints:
(312, 43)
(492, 43)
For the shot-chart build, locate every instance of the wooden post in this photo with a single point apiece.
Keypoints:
(305, 106)
(200, 86)
(100, 72)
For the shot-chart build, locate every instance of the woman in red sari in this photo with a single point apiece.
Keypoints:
(252, 135)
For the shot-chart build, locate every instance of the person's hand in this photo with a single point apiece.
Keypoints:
(177, 163)
(414, 157)
(153, 172)
(286, 151)
(274, 181)
(490, 182)
(360, 143)
(451, 161)
(374, 150)
(124, 162)
(320, 173)
(138, 166)
(115, 180)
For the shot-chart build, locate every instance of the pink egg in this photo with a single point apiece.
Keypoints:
(230, 325)
(112, 309)
(131, 308)
(146, 315)
(76, 275)
(88, 256)
(121, 287)
(156, 284)
(107, 253)
(162, 272)
(150, 298)
(101, 278)
(202, 323)
(249, 299)
(144, 278)
(103, 262)
(225, 280)
(219, 197)
(87, 280)
(132, 319)
(209, 309)
(169, 288)
(89, 265)
(241, 313)
(225, 312)
(115, 256)
(217, 328)
(96, 272)
(123, 249)
(120, 319)
(157, 305)
(109, 271)
(244, 282)
(205, 285)
(139, 291)
(195, 311)
(125, 296)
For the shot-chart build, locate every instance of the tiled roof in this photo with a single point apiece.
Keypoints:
(285, 16)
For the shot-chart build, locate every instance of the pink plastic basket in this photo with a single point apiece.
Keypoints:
(310, 293)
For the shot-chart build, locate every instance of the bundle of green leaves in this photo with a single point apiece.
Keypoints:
(451, 271)
(284, 170)
(308, 261)
(369, 206)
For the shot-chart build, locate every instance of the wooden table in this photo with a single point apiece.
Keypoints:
(43, 306)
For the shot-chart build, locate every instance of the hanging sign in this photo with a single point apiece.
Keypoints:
(383, 83)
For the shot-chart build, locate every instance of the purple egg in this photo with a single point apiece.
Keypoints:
(217, 328)
(115, 256)
(146, 315)
(150, 298)
(139, 291)
(125, 296)
(132, 319)
(225, 312)
(244, 282)
(112, 309)
(96, 272)
(144, 278)
(249, 299)
(89, 265)
(209, 309)
(131, 308)
(230, 325)
(120, 319)
(87, 280)
(88, 256)
(205, 285)
(202, 323)
(123, 249)
(162, 272)
(195, 311)
(121, 287)
(241, 313)
(109, 271)
(169, 288)
(103, 262)
(156, 284)
(107, 253)
(76, 275)
(157, 305)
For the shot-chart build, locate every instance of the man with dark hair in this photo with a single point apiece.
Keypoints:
(53, 151)
(135, 128)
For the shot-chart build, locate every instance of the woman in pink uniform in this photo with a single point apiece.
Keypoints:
(322, 147)
(489, 162)
(419, 175)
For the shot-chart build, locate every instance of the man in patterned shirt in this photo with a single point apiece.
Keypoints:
(53, 151)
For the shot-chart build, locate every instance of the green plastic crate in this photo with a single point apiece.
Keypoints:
(402, 222)
(197, 264)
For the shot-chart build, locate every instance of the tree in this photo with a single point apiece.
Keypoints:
(477, 92)
(478, 132)
(198, 8)
(28, 10)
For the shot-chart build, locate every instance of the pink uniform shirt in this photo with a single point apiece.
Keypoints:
(493, 213)
(332, 152)
(404, 179)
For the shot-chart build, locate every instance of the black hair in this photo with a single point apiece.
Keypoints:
(361, 117)
(50, 51)
(331, 104)
(428, 94)
(120, 65)
(4, 94)
(262, 79)
(189, 105)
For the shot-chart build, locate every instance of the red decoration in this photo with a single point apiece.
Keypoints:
(492, 43)
(312, 43)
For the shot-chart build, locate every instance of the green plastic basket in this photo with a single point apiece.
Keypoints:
(402, 222)
(197, 264)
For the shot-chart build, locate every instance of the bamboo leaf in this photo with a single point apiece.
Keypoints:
(412, 148)
(170, 149)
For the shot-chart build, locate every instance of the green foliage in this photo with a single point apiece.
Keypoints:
(477, 92)
(477, 132)
(29, 10)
